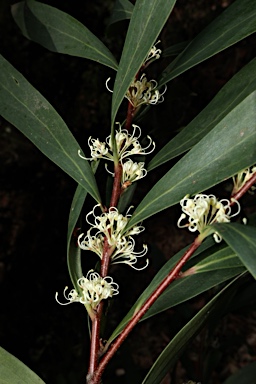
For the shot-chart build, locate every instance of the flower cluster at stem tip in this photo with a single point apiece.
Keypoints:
(143, 91)
(204, 210)
(112, 225)
(94, 288)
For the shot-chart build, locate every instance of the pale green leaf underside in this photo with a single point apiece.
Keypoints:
(242, 239)
(147, 21)
(235, 91)
(122, 10)
(60, 32)
(13, 371)
(173, 350)
(24, 107)
(225, 150)
(220, 266)
(233, 25)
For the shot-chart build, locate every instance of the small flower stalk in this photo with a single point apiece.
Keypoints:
(94, 289)
(204, 210)
(112, 226)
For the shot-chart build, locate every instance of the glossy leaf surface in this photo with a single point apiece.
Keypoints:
(242, 239)
(222, 265)
(173, 350)
(24, 107)
(235, 91)
(14, 371)
(225, 150)
(233, 25)
(147, 21)
(60, 32)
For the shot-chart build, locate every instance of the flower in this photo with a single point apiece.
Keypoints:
(125, 253)
(153, 54)
(127, 145)
(143, 91)
(111, 225)
(133, 171)
(94, 288)
(98, 150)
(204, 210)
(241, 178)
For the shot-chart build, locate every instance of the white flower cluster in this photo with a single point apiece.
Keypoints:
(94, 289)
(242, 177)
(204, 210)
(145, 92)
(112, 225)
(154, 53)
(127, 145)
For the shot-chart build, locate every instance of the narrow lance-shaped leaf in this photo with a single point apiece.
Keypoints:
(225, 150)
(25, 108)
(147, 21)
(233, 25)
(242, 239)
(60, 32)
(176, 346)
(73, 251)
(122, 10)
(235, 91)
(220, 266)
(13, 371)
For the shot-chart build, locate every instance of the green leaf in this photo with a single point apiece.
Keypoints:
(220, 266)
(175, 49)
(225, 150)
(242, 239)
(246, 375)
(25, 108)
(147, 21)
(13, 371)
(73, 251)
(235, 91)
(233, 25)
(122, 10)
(59, 32)
(176, 346)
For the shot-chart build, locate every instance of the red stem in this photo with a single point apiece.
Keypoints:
(244, 189)
(106, 255)
(130, 115)
(116, 185)
(173, 274)
(95, 342)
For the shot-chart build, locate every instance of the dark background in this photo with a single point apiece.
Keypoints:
(35, 197)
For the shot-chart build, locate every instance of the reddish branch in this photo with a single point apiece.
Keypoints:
(173, 274)
(95, 341)
(130, 115)
(116, 185)
(244, 189)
